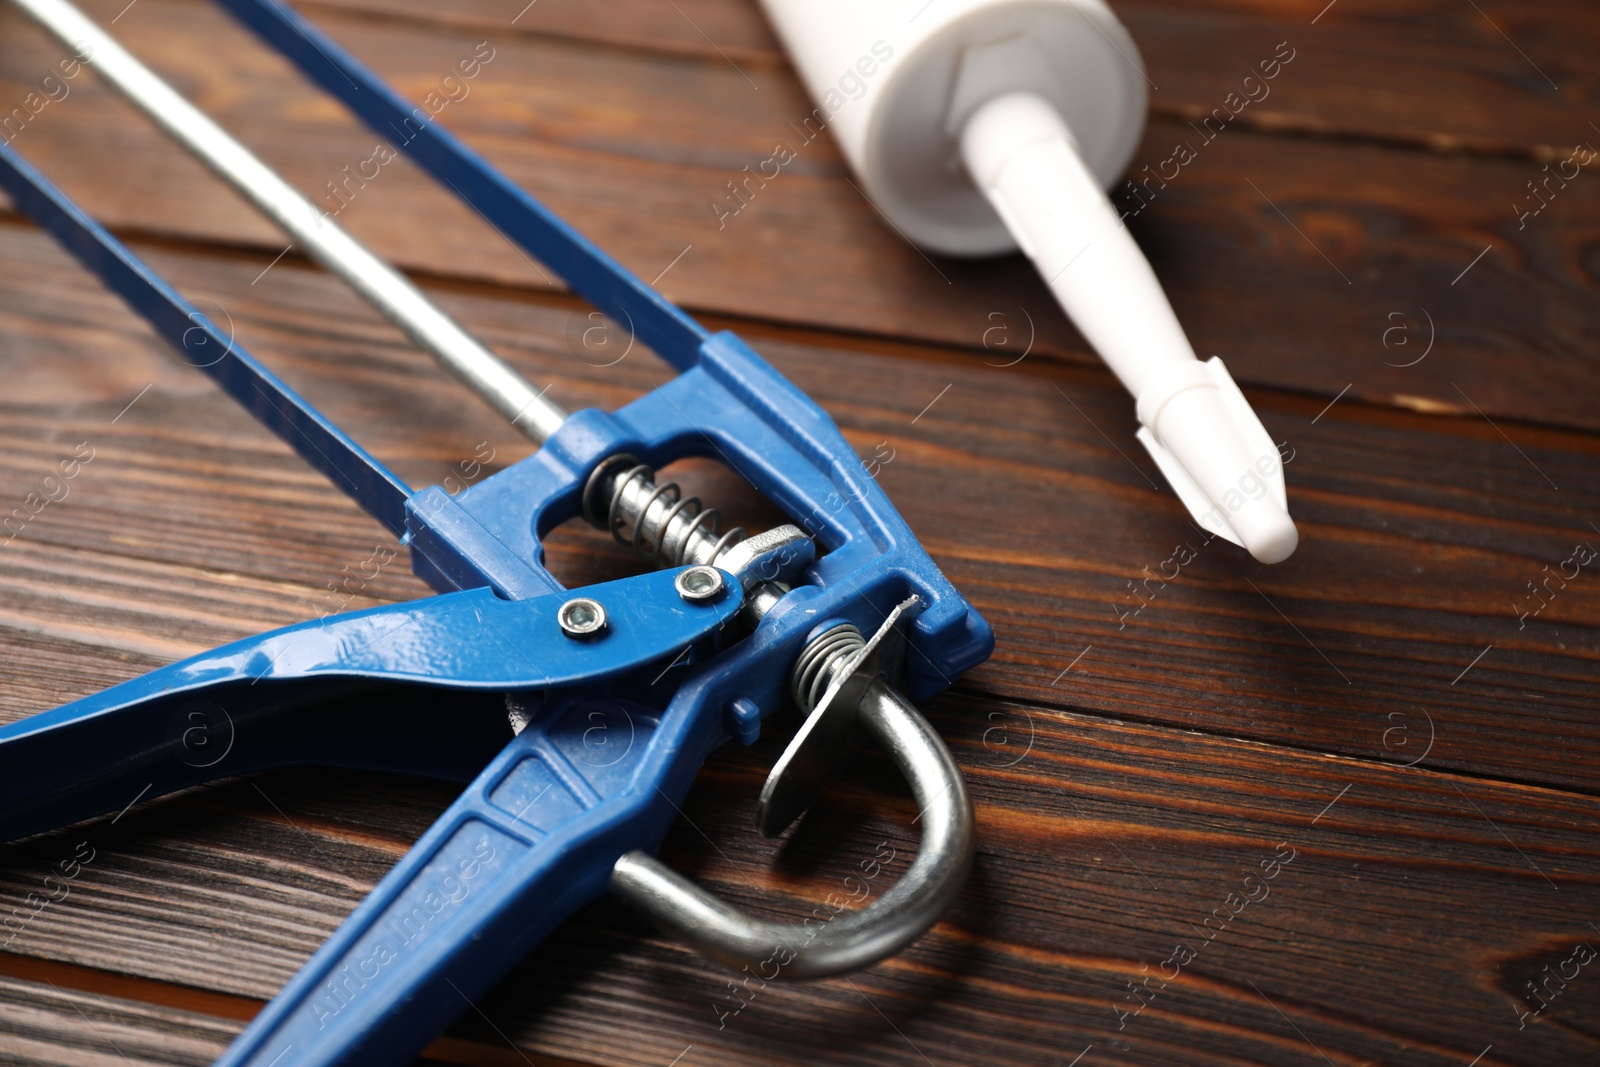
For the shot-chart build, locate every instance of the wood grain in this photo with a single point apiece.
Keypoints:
(1436, 526)
(1413, 909)
(1501, 78)
(45, 1025)
(1374, 251)
(1388, 704)
(77, 1016)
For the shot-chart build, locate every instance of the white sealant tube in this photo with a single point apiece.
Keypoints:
(984, 126)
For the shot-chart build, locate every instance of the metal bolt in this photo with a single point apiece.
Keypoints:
(699, 584)
(581, 617)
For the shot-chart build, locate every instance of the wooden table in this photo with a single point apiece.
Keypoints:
(1399, 723)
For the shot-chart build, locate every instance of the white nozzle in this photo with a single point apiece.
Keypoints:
(1195, 422)
(1047, 100)
(1222, 464)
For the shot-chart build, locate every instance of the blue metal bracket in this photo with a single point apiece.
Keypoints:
(279, 408)
(591, 273)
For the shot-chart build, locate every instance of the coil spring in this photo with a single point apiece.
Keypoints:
(684, 524)
(817, 664)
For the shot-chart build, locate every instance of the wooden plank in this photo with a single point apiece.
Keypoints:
(1422, 534)
(1498, 78)
(705, 29)
(1405, 913)
(44, 1024)
(1380, 248)
(1065, 543)
(56, 1013)
(1375, 708)
(1483, 77)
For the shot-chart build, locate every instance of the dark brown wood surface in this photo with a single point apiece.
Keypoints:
(1378, 708)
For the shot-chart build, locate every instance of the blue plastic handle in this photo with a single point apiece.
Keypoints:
(262, 702)
(531, 840)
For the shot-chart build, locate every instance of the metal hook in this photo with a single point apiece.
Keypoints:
(859, 701)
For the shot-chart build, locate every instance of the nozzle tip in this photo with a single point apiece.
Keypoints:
(1268, 533)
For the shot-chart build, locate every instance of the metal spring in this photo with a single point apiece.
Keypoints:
(636, 520)
(816, 665)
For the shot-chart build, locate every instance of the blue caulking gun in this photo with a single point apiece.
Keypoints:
(499, 681)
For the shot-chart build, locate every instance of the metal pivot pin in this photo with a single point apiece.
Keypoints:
(582, 617)
(699, 584)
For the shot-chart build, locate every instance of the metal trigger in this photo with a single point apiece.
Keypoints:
(858, 703)
(833, 731)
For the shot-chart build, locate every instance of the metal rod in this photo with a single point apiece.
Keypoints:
(380, 284)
